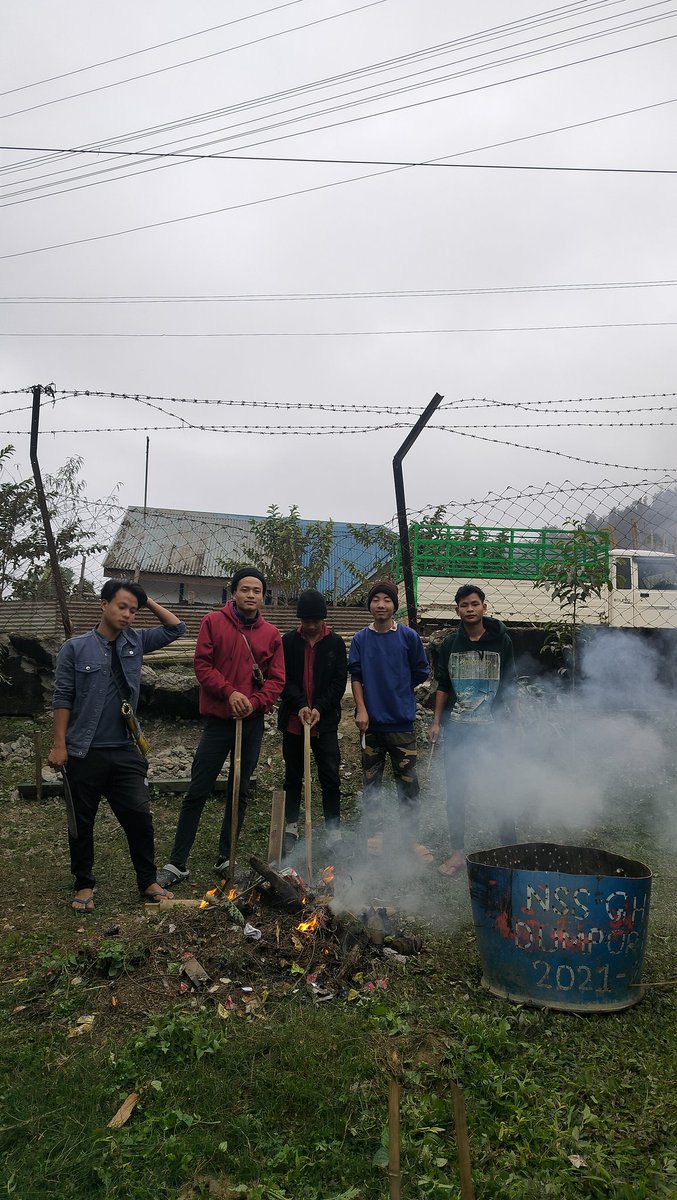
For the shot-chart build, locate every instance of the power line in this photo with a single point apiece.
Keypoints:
(385, 294)
(192, 61)
(157, 155)
(359, 333)
(307, 190)
(106, 62)
(436, 164)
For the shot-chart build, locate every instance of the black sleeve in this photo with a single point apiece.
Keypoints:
(293, 696)
(335, 685)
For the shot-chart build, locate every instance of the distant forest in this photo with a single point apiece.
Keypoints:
(644, 525)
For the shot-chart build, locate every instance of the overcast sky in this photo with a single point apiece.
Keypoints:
(340, 229)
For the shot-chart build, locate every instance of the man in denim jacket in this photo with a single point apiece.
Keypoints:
(95, 673)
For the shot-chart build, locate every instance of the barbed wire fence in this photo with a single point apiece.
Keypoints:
(501, 541)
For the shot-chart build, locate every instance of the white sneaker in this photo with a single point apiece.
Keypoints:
(170, 875)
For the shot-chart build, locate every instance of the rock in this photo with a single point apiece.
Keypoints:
(175, 695)
(27, 674)
(149, 679)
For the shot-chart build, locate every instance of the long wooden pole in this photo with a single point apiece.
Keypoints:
(462, 1143)
(235, 804)
(394, 1172)
(307, 796)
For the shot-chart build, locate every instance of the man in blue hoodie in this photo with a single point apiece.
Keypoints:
(476, 679)
(386, 661)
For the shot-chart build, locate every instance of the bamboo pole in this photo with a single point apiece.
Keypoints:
(394, 1172)
(307, 795)
(235, 804)
(462, 1143)
(37, 758)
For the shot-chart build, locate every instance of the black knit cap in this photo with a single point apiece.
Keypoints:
(311, 606)
(384, 585)
(246, 573)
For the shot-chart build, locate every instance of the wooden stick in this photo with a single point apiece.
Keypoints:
(235, 803)
(276, 835)
(394, 1172)
(462, 1143)
(306, 789)
(37, 755)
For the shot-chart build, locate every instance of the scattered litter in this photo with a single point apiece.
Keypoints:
(252, 933)
(82, 1025)
(224, 979)
(183, 988)
(576, 1161)
(171, 929)
(247, 989)
(125, 1111)
(195, 972)
(76, 981)
(393, 955)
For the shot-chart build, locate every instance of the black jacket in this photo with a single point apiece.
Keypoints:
(330, 678)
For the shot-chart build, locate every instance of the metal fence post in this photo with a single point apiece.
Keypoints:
(405, 552)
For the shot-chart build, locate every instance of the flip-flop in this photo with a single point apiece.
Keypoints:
(156, 897)
(83, 904)
(375, 845)
(453, 866)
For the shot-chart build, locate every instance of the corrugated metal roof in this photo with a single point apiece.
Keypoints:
(171, 541)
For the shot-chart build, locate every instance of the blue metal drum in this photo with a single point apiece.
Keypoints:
(560, 926)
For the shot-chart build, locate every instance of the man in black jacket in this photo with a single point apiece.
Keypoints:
(316, 668)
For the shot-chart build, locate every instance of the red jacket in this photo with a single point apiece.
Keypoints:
(223, 663)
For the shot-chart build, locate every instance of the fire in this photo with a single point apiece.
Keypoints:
(309, 925)
(232, 895)
(328, 875)
(204, 904)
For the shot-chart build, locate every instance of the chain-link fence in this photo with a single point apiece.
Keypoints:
(602, 553)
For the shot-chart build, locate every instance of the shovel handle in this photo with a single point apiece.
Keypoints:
(235, 802)
(307, 797)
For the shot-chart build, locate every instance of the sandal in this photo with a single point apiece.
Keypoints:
(83, 904)
(156, 897)
(375, 845)
(454, 865)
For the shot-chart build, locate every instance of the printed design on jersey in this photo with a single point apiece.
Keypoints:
(475, 675)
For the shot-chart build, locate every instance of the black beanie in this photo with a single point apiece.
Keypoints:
(245, 573)
(311, 606)
(384, 585)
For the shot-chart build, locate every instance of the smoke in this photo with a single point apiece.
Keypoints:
(592, 766)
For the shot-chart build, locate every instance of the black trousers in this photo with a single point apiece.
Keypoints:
(119, 774)
(325, 749)
(216, 744)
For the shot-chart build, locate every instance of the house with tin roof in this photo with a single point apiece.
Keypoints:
(177, 555)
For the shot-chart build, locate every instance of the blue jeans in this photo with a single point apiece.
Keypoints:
(216, 744)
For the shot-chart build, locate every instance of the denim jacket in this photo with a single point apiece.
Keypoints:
(83, 674)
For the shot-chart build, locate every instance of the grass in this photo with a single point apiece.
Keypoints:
(290, 1102)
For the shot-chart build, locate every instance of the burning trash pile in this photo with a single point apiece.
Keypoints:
(270, 935)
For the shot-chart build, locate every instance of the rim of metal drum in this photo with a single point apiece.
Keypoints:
(542, 857)
(595, 1010)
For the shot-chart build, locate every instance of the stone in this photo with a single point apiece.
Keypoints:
(27, 674)
(175, 695)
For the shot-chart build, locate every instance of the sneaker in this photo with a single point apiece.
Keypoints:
(222, 866)
(170, 875)
(291, 841)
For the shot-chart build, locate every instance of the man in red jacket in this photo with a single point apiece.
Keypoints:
(240, 668)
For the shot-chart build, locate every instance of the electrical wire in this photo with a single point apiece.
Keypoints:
(156, 154)
(399, 294)
(358, 333)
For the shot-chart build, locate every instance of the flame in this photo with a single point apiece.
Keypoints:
(232, 895)
(204, 904)
(310, 925)
(328, 875)
(113, 1000)
(304, 899)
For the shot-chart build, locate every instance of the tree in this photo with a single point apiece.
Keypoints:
(78, 525)
(383, 544)
(577, 568)
(291, 557)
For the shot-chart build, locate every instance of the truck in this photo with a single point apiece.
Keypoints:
(506, 563)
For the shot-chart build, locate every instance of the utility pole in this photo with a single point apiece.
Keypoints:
(46, 519)
(145, 480)
(403, 524)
